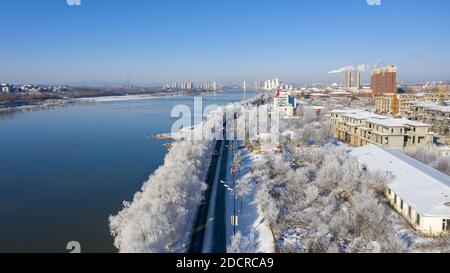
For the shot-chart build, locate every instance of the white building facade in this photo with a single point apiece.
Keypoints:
(418, 192)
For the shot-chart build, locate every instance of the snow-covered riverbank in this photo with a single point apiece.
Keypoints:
(64, 101)
(161, 215)
(35, 106)
(116, 98)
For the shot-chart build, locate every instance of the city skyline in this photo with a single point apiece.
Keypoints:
(166, 41)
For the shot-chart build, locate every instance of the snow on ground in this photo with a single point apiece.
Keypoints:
(251, 221)
(291, 239)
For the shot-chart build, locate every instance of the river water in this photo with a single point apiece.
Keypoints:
(64, 170)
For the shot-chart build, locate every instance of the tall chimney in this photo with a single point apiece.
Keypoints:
(442, 94)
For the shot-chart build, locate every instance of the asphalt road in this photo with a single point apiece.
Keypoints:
(218, 224)
(215, 221)
(197, 240)
(219, 243)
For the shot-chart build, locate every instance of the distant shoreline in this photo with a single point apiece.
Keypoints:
(44, 104)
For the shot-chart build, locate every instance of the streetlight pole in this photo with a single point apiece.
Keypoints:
(234, 178)
(234, 201)
(234, 219)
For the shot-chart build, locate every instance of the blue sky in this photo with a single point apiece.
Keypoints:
(157, 41)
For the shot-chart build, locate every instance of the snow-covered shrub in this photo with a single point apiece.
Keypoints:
(157, 218)
(431, 158)
(442, 164)
(242, 244)
(244, 187)
(331, 203)
(423, 155)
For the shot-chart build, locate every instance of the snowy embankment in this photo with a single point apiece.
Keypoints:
(117, 98)
(161, 215)
(158, 218)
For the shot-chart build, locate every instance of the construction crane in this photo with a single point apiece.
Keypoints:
(395, 106)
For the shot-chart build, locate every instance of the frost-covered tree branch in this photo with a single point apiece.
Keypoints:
(328, 204)
(432, 159)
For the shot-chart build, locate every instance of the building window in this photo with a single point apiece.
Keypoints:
(390, 192)
(409, 212)
(401, 204)
(418, 219)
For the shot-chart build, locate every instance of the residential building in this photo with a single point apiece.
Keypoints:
(384, 80)
(340, 94)
(28, 87)
(284, 103)
(432, 113)
(418, 192)
(34, 91)
(428, 108)
(258, 85)
(384, 102)
(5, 88)
(360, 128)
(171, 86)
(208, 86)
(272, 84)
(187, 86)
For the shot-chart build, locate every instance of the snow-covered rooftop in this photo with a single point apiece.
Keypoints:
(379, 119)
(431, 106)
(358, 114)
(396, 122)
(424, 188)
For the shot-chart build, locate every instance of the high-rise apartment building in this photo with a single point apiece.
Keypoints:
(384, 80)
(187, 86)
(272, 84)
